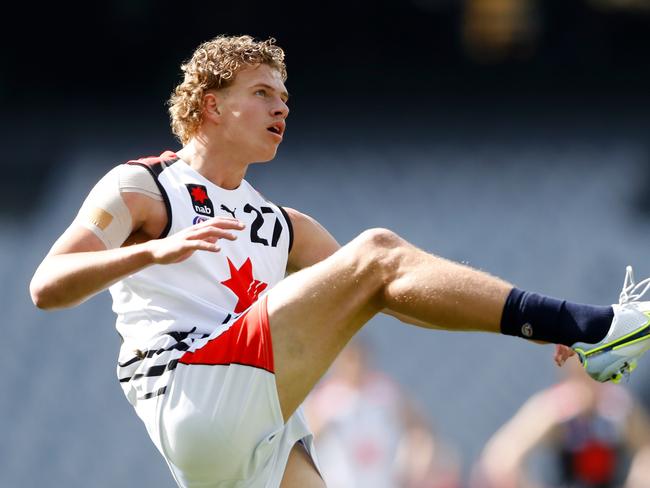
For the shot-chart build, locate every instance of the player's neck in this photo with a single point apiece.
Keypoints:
(214, 164)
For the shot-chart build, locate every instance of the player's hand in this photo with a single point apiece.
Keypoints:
(562, 353)
(200, 237)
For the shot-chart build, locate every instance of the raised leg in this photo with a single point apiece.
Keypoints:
(315, 312)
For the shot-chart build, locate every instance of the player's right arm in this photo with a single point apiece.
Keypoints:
(80, 264)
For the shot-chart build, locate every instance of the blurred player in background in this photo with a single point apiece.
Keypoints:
(219, 348)
(597, 435)
(370, 432)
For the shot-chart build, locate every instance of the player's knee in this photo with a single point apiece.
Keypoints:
(381, 250)
(379, 238)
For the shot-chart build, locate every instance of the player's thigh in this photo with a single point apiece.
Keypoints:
(214, 421)
(315, 312)
(300, 471)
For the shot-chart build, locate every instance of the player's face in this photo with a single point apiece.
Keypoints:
(253, 112)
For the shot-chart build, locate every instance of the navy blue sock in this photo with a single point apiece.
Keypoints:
(542, 318)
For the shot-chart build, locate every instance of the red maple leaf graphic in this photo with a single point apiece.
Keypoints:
(199, 194)
(242, 284)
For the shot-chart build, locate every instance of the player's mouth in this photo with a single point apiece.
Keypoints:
(277, 128)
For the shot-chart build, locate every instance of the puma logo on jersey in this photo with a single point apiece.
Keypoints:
(231, 212)
(200, 200)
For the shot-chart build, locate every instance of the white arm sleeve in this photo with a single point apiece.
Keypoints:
(104, 211)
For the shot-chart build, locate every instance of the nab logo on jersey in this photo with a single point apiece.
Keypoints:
(200, 200)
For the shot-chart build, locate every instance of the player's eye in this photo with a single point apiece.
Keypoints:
(261, 93)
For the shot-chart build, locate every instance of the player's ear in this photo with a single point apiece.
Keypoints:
(211, 106)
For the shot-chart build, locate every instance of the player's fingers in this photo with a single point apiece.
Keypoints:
(217, 229)
(201, 245)
(214, 232)
(222, 223)
(179, 251)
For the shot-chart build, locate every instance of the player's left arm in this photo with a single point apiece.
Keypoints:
(311, 241)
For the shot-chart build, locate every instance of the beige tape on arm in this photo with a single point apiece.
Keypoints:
(104, 211)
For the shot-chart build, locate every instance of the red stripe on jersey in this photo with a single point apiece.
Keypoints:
(247, 342)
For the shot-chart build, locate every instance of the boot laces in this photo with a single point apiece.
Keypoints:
(632, 292)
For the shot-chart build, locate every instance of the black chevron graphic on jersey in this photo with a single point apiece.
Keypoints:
(159, 392)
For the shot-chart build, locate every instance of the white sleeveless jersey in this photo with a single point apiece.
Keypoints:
(164, 311)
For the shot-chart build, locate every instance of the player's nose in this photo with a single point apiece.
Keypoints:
(280, 109)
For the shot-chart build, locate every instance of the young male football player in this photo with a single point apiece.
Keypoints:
(219, 348)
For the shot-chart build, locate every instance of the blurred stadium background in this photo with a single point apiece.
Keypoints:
(508, 134)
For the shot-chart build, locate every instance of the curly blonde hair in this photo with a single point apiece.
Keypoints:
(214, 65)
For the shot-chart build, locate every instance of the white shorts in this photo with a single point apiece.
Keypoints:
(219, 423)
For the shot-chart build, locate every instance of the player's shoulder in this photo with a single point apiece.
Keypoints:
(305, 224)
(150, 161)
(136, 168)
(133, 177)
(153, 164)
(297, 217)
